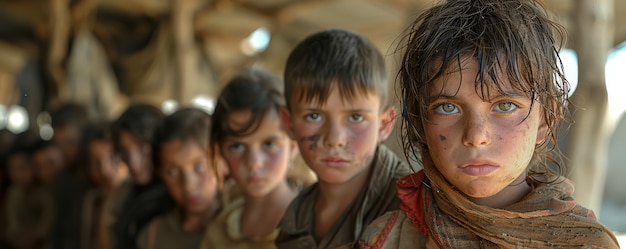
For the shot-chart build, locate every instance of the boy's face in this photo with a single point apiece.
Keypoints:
(338, 139)
(48, 162)
(185, 169)
(68, 140)
(136, 155)
(481, 147)
(105, 168)
(20, 170)
(258, 161)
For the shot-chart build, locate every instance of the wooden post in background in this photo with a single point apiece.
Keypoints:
(589, 135)
(183, 13)
(60, 26)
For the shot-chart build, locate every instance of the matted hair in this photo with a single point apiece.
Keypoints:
(251, 89)
(140, 120)
(515, 39)
(335, 57)
(187, 124)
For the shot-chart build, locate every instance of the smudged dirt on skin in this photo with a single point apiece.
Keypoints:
(313, 139)
(442, 138)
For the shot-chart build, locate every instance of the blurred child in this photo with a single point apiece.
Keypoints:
(251, 139)
(71, 184)
(193, 173)
(48, 161)
(483, 93)
(338, 112)
(146, 195)
(29, 212)
(106, 173)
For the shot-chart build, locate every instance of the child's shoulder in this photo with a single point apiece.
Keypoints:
(392, 230)
(305, 197)
(387, 164)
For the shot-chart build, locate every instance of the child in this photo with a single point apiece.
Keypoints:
(483, 94)
(337, 111)
(145, 195)
(193, 175)
(28, 212)
(250, 136)
(48, 161)
(106, 172)
(71, 184)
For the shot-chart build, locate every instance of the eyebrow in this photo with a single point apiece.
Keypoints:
(498, 94)
(349, 110)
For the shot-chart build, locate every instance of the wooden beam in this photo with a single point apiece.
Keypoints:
(60, 26)
(183, 13)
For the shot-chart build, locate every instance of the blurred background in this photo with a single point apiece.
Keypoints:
(106, 54)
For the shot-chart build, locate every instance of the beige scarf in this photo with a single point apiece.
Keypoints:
(548, 217)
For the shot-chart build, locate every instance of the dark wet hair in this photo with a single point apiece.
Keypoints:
(91, 132)
(513, 38)
(140, 120)
(252, 89)
(69, 114)
(335, 57)
(187, 124)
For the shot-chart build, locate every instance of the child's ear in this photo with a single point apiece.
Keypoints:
(542, 132)
(285, 117)
(388, 122)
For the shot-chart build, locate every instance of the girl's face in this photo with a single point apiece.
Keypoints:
(20, 170)
(258, 161)
(49, 162)
(186, 170)
(481, 147)
(68, 140)
(137, 156)
(105, 168)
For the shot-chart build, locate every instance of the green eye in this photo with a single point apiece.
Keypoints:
(506, 107)
(447, 108)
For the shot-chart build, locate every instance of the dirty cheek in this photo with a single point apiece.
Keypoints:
(313, 139)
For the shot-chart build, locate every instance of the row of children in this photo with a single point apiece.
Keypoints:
(482, 96)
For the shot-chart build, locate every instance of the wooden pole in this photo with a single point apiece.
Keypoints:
(183, 13)
(60, 25)
(590, 133)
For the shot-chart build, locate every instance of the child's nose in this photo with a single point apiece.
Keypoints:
(335, 135)
(254, 160)
(189, 182)
(476, 131)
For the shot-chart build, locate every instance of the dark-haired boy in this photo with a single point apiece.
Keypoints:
(337, 109)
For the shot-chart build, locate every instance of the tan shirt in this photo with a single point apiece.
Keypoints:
(378, 197)
(165, 232)
(225, 231)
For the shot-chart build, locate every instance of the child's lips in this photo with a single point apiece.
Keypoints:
(254, 179)
(335, 161)
(193, 200)
(478, 167)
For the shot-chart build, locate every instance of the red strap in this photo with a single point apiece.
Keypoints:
(383, 235)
